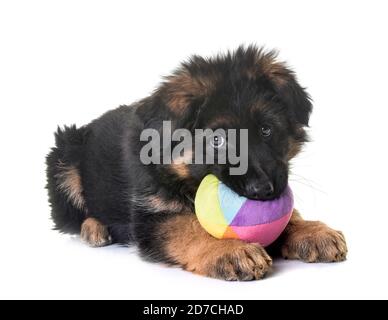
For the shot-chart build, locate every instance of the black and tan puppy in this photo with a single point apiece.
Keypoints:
(99, 188)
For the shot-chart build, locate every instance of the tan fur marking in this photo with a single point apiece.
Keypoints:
(180, 165)
(191, 247)
(94, 233)
(294, 149)
(275, 70)
(178, 103)
(181, 170)
(223, 121)
(184, 159)
(182, 87)
(312, 241)
(69, 182)
(160, 204)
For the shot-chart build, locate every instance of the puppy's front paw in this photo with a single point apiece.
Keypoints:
(313, 241)
(188, 245)
(94, 233)
(242, 262)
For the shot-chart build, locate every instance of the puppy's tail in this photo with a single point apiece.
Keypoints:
(64, 181)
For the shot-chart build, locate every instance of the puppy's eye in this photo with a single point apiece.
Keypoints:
(266, 131)
(217, 141)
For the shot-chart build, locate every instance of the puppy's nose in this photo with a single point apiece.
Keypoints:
(263, 191)
(268, 189)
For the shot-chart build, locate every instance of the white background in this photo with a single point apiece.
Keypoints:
(64, 62)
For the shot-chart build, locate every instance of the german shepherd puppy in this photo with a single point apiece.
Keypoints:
(99, 188)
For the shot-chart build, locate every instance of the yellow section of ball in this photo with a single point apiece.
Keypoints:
(208, 209)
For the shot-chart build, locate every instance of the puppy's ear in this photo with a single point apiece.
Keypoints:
(297, 100)
(284, 80)
(181, 95)
(187, 87)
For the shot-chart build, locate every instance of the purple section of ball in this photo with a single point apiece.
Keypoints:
(258, 212)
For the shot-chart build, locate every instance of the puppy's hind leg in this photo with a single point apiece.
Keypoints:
(66, 194)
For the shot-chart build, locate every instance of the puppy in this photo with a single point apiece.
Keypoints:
(100, 188)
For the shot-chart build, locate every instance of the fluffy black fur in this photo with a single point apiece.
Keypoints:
(243, 89)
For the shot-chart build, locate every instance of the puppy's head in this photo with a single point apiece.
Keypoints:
(247, 89)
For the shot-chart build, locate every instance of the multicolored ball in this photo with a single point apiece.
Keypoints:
(226, 215)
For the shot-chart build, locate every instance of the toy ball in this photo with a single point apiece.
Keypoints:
(226, 215)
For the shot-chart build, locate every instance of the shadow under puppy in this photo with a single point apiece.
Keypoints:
(99, 188)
